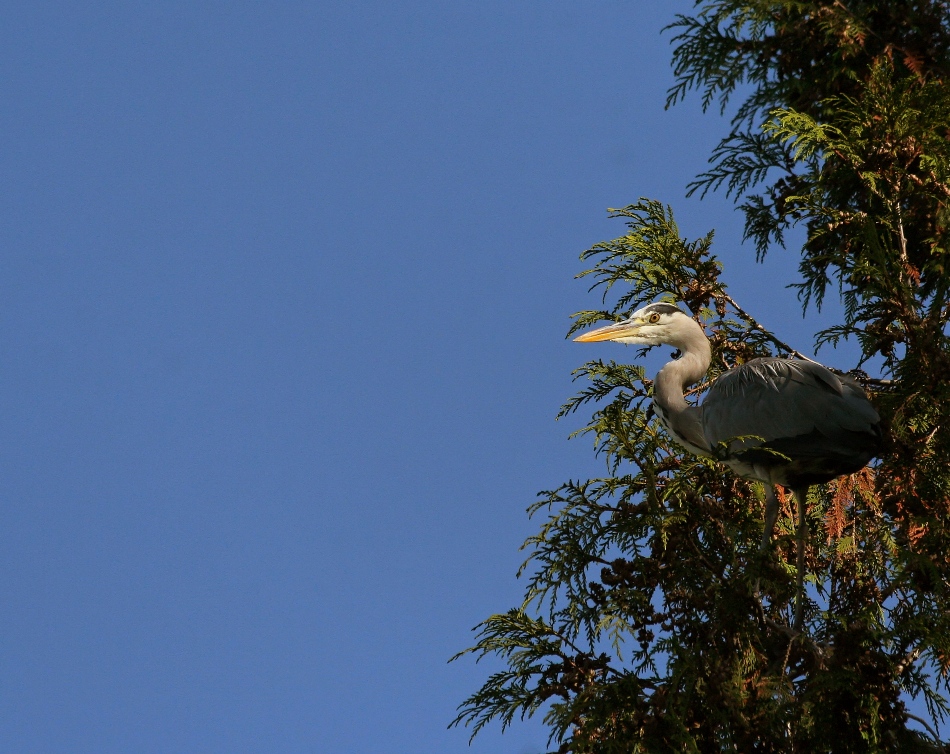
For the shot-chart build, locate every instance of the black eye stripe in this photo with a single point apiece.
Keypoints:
(663, 309)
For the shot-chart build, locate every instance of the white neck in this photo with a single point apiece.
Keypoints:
(673, 379)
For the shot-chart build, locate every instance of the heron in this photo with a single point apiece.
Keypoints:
(786, 422)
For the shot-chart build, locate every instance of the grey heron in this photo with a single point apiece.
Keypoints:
(814, 425)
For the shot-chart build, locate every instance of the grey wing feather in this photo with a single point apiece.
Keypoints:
(823, 422)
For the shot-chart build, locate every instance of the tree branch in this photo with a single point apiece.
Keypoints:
(756, 326)
(933, 734)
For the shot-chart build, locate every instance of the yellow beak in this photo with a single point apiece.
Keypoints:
(610, 332)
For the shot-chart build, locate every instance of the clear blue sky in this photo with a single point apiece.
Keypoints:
(284, 290)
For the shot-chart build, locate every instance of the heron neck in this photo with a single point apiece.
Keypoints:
(673, 379)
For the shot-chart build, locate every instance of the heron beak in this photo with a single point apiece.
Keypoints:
(610, 332)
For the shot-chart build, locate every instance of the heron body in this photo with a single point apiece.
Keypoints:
(821, 422)
(786, 421)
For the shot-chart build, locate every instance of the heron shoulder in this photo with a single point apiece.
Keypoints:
(773, 374)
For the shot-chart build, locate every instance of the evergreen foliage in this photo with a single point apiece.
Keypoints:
(651, 621)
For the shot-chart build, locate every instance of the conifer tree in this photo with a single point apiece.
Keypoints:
(642, 629)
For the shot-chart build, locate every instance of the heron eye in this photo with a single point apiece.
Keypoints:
(654, 318)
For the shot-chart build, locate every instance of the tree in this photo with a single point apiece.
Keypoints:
(642, 629)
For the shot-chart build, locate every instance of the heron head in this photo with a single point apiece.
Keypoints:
(652, 325)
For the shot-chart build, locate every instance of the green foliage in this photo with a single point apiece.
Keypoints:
(798, 54)
(651, 622)
(874, 186)
(774, 46)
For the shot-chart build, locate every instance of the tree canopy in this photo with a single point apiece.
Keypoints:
(642, 629)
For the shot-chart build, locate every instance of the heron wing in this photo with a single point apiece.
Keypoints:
(820, 421)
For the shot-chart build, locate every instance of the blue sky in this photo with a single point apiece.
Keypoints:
(283, 295)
